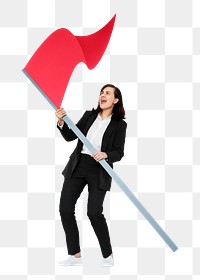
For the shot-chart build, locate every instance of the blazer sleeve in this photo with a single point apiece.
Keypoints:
(117, 151)
(68, 133)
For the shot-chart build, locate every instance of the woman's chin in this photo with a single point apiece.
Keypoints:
(103, 106)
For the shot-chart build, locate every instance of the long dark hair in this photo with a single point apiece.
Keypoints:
(118, 109)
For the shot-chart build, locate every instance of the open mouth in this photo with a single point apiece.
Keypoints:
(103, 101)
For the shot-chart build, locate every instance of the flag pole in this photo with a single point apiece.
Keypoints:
(112, 173)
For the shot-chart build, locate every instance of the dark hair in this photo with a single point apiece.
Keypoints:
(118, 109)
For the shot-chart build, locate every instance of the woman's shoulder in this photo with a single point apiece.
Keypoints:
(122, 123)
(87, 113)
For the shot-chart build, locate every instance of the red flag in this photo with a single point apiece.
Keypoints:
(52, 64)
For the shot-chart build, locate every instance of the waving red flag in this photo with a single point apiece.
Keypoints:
(51, 66)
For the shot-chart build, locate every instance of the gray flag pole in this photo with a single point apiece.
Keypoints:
(112, 173)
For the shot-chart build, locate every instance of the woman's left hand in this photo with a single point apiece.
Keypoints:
(99, 155)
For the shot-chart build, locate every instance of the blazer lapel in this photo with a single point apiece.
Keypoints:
(90, 120)
(107, 134)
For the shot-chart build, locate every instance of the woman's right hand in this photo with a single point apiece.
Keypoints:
(59, 114)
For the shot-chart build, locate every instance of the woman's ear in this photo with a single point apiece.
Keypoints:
(116, 100)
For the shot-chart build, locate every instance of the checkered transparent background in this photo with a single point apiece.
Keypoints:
(154, 58)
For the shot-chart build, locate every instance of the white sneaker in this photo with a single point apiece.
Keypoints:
(109, 261)
(72, 261)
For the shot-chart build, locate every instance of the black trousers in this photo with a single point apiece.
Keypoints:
(86, 172)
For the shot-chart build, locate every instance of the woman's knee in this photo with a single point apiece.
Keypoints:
(65, 212)
(93, 215)
(66, 206)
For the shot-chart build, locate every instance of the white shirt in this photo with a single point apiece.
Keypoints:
(95, 133)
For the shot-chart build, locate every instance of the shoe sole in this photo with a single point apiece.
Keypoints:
(63, 264)
(75, 264)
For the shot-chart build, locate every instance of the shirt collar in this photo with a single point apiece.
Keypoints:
(105, 118)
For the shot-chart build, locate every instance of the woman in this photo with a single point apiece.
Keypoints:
(106, 130)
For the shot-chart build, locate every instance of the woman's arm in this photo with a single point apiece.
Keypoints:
(68, 133)
(118, 147)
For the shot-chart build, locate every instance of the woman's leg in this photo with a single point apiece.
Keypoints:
(95, 206)
(71, 191)
(97, 219)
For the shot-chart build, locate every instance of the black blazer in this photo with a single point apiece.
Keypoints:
(112, 144)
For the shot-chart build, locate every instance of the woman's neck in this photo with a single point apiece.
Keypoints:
(105, 113)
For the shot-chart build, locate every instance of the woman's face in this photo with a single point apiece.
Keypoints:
(107, 98)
